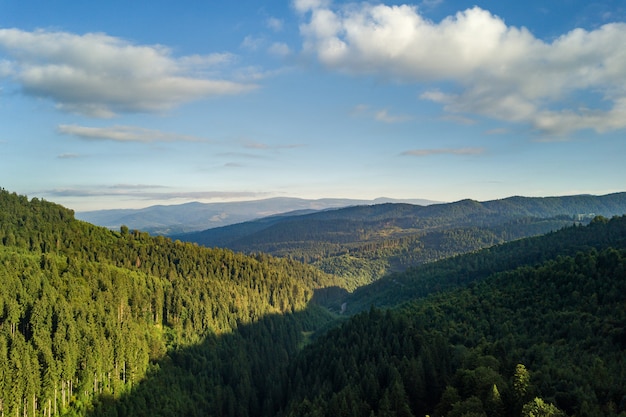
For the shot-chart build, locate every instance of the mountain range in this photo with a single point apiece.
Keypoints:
(363, 243)
(194, 216)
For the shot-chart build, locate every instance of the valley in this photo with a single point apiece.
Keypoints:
(364, 243)
(508, 308)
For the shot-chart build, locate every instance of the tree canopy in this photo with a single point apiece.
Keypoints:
(96, 322)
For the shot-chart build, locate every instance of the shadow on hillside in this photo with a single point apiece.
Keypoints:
(333, 298)
(243, 373)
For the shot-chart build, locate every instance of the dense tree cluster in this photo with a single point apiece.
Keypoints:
(101, 323)
(452, 272)
(85, 311)
(546, 339)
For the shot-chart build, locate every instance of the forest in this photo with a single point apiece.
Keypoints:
(95, 322)
(364, 243)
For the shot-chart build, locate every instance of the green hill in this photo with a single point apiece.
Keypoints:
(541, 340)
(426, 279)
(86, 312)
(101, 323)
(364, 243)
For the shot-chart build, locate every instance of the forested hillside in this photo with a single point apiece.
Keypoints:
(364, 243)
(543, 339)
(534, 341)
(87, 312)
(101, 323)
(461, 270)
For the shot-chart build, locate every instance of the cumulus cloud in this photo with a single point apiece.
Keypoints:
(124, 134)
(252, 43)
(496, 70)
(101, 76)
(446, 151)
(304, 6)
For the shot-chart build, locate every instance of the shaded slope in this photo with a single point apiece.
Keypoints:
(439, 276)
(549, 337)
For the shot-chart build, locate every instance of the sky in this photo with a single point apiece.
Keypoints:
(119, 104)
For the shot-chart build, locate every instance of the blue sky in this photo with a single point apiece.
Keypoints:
(123, 104)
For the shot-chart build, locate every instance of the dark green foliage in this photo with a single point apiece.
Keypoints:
(461, 270)
(101, 323)
(555, 331)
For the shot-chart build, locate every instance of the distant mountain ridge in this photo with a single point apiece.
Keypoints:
(195, 216)
(372, 240)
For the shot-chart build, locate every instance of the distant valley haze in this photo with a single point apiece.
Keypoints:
(194, 216)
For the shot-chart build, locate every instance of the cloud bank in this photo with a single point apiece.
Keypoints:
(496, 70)
(149, 192)
(101, 76)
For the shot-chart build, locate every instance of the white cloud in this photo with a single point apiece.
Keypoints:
(304, 6)
(279, 49)
(199, 64)
(100, 76)
(431, 3)
(497, 70)
(124, 134)
(274, 24)
(384, 116)
(6, 68)
(252, 43)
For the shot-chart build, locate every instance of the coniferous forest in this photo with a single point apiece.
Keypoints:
(364, 243)
(96, 322)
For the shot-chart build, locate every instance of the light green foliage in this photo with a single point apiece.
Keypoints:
(521, 381)
(86, 313)
(539, 408)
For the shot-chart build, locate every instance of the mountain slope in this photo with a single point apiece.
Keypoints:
(423, 280)
(382, 238)
(86, 312)
(546, 340)
(559, 329)
(101, 323)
